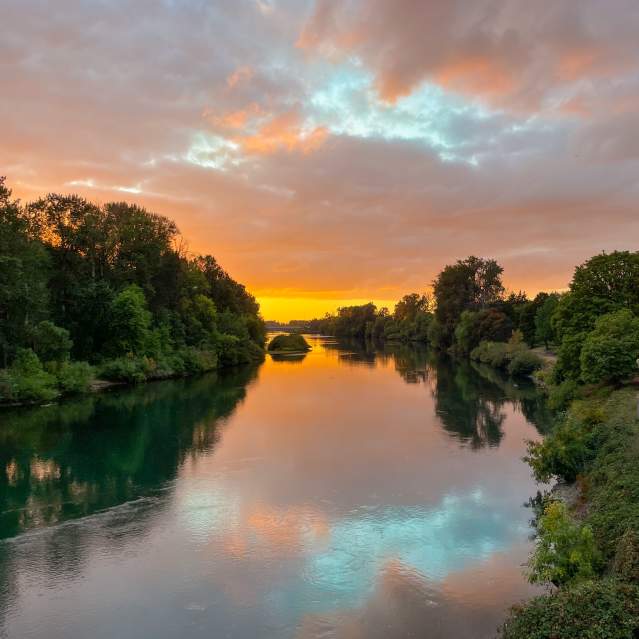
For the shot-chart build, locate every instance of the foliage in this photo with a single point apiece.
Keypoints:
(613, 474)
(625, 564)
(563, 453)
(410, 321)
(293, 342)
(603, 284)
(524, 363)
(568, 364)
(24, 274)
(51, 343)
(82, 281)
(129, 369)
(565, 550)
(602, 609)
(468, 285)
(75, 377)
(609, 353)
(560, 395)
(130, 322)
(544, 330)
(487, 325)
(27, 381)
(494, 354)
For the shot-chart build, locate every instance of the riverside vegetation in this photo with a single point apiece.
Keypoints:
(587, 548)
(90, 290)
(107, 291)
(292, 343)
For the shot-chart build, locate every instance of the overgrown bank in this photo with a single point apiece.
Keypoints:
(107, 291)
(588, 549)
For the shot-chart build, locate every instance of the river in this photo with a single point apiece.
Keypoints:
(353, 493)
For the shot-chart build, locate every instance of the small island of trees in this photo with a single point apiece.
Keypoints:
(288, 344)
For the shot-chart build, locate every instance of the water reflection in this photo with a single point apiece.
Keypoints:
(292, 358)
(71, 459)
(359, 492)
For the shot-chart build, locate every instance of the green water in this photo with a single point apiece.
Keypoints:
(351, 492)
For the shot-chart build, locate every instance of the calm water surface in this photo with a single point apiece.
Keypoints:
(352, 494)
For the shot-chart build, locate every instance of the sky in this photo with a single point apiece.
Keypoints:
(328, 152)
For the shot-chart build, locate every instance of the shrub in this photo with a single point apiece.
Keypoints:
(562, 394)
(605, 609)
(291, 343)
(493, 353)
(196, 361)
(27, 379)
(609, 353)
(524, 363)
(564, 452)
(568, 364)
(51, 342)
(75, 377)
(565, 552)
(625, 564)
(132, 370)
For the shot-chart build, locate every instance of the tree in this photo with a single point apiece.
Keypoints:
(489, 325)
(410, 306)
(51, 343)
(566, 551)
(469, 285)
(601, 285)
(24, 276)
(609, 353)
(527, 318)
(130, 322)
(544, 329)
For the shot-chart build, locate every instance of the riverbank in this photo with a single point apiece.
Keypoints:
(30, 383)
(594, 449)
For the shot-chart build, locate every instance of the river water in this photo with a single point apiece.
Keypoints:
(354, 493)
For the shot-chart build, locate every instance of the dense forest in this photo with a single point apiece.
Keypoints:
(108, 291)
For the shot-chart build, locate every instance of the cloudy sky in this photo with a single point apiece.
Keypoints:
(335, 150)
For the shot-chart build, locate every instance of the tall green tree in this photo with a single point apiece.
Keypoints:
(468, 285)
(603, 284)
(130, 322)
(544, 328)
(24, 277)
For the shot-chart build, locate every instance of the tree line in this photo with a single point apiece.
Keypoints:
(593, 326)
(108, 290)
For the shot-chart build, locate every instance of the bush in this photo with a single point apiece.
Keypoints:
(75, 377)
(52, 343)
(27, 381)
(568, 364)
(605, 609)
(198, 361)
(563, 453)
(609, 353)
(562, 394)
(290, 343)
(524, 363)
(565, 552)
(492, 353)
(131, 370)
(625, 564)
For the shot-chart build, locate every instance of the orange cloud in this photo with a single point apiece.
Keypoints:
(283, 132)
(240, 75)
(237, 119)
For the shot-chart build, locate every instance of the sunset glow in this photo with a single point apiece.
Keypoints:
(331, 152)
